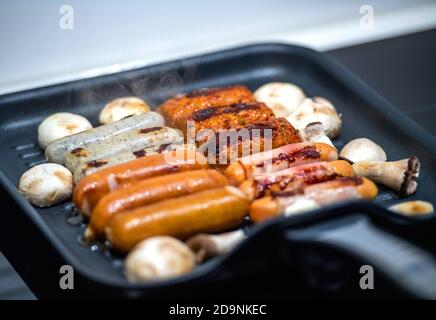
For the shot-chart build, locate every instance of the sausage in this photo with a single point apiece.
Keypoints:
(278, 159)
(129, 141)
(314, 196)
(56, 151)
(93, 187)
(212, 210)
(295, 178)
(178, 109)
(152, 190)
(253, 138)
(230, 116)
(92, 166)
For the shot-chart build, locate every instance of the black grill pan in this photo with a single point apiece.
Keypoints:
(39, 241)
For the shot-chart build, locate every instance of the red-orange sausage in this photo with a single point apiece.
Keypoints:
(212, 210)
(152, 190)
(295, 178)
(93, 187)
(178, 109)
(278, 159)
(321, 194)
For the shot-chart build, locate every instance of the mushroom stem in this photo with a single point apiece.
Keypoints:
(314, 132)
(399, 175)
(206, 246)
(413, 208)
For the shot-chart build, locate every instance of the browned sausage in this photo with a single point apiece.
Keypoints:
(295, 178)
(152, 190)
(278, 159)
(252, 138)
(178, 109)
(318, 195)
(211, 210)
(93, 187)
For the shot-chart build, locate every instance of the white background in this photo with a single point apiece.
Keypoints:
(113, 35)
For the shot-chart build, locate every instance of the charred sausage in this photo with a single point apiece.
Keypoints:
(278, 159)
(295, 178)
(312, 197)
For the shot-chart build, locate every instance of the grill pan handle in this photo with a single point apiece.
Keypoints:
(408, 266)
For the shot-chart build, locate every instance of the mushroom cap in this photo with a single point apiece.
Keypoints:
(317, 109)
(46, 184)
(281, 97)
(121, 108)
(362, 149)
(60, 125)
(158, 258)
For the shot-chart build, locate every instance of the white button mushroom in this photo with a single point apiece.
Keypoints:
(158, 258)
(121, 108)
(60, 125)
(46, 184)
(282, 98)
(317, 109)
(362, 149)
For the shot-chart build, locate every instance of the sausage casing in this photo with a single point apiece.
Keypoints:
(56, 151)
(177, 110)
(290, 155)
(317, 195)
(212, 210)
(130, 141)
(92, 166)
(93, 187)
(295, 178)
(253, 138)
(230, 116)
(152, 190)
